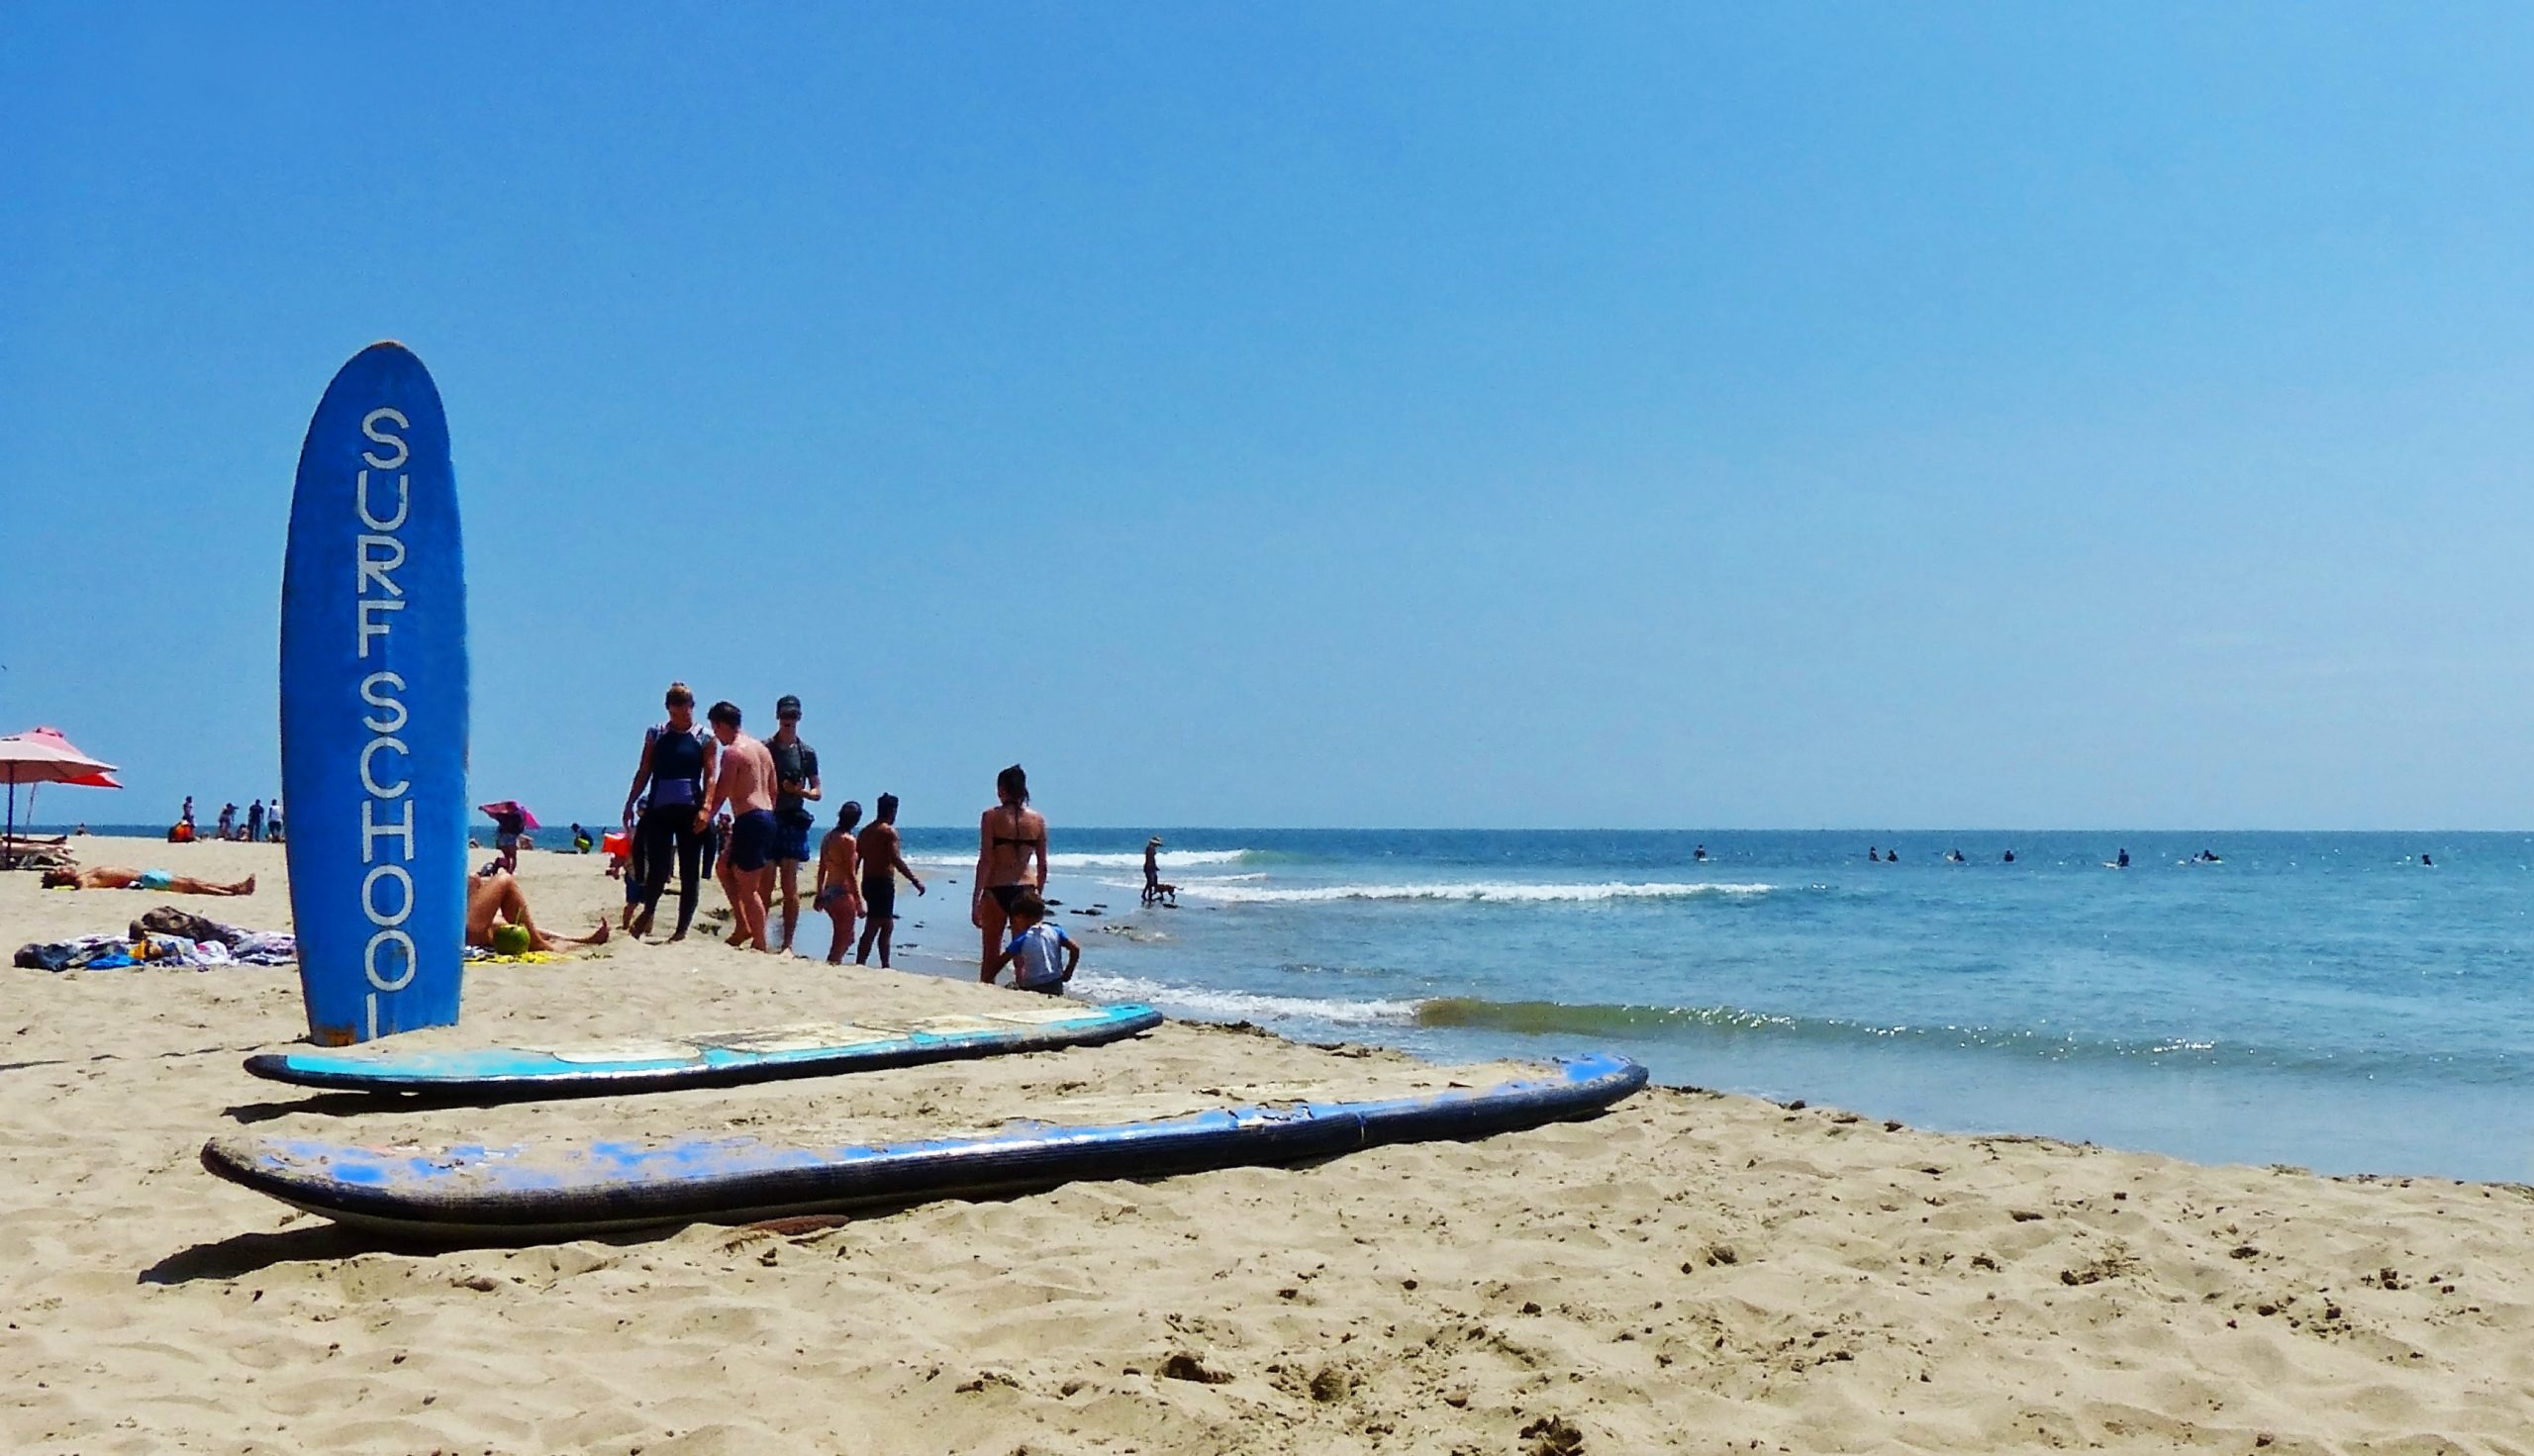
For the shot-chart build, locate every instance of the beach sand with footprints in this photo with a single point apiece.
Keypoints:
(1689, 1271)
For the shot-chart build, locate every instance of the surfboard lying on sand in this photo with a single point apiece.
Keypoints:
(522, 1194)
(717, 1060)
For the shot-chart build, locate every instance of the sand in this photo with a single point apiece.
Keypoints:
(1690, 1272)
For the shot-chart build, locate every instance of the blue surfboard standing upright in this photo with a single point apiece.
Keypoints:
(373, 706)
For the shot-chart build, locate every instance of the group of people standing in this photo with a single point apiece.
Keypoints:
(688, 775)
(255, 829)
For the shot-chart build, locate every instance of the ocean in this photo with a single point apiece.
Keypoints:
(2326, 1001)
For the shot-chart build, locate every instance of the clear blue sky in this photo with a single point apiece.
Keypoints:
(1321, 414)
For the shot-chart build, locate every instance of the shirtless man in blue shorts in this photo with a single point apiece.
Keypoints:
(744, 781)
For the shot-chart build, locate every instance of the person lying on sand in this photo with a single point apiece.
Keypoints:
(496, 899)
(116, 877)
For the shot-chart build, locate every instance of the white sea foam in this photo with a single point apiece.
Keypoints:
(1169, 859)
(1505, 891)
(1186, 883)
(1211, 1005)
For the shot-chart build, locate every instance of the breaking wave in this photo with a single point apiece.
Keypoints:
(1134, 860)
(1204, 1003)
(1501, 891)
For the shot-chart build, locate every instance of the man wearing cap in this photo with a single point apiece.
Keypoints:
(796, 788)
(1153, 869)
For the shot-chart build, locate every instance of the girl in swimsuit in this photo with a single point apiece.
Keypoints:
(1009, 836)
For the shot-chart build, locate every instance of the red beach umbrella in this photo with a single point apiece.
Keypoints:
(44, 756)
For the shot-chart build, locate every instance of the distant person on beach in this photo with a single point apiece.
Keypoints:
(746, 784)
(228, 821)
(839, 893)
(508, 823)
(1153, 869)
(1041, 956)
(883, 860)
(2123, 861)
(115, 877)
(796, 788)
(256, 823)
(272, 823)
(187, 817)
(2427, 862)
(1009, 837)
(1891, 856)
(2010, 856)
(1873, 855)
(1698, 854)
(495, 898)
(678, 762)
(626, 864)
(582, 844)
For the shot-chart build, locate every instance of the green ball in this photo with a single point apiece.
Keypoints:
(509, 940)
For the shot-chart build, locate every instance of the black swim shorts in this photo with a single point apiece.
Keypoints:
(753, 840)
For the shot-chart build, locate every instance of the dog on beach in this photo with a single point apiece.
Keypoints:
(1161, 894)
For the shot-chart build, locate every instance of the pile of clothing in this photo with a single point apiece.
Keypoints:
(165, 936)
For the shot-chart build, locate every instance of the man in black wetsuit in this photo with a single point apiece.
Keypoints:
(796, 788)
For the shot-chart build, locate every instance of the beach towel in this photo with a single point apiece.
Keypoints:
(116, 953)
(239, 947)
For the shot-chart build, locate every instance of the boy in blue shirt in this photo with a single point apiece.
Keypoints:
(1035, 949)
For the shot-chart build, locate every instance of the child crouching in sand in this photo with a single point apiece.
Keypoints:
(837, 870)
(1033, 951)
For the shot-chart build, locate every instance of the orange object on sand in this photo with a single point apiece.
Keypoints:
(614, 842)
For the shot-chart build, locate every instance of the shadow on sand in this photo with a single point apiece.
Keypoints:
(248, 1252)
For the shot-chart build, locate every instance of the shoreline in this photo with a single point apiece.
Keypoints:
(1690, 1271)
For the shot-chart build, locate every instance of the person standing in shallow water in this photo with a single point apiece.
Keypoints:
(1009, 837)
(840, 886)
(678, 762)
(796, 788)
(883, 858)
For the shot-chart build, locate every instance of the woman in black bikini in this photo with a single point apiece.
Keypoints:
(1009, 835)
